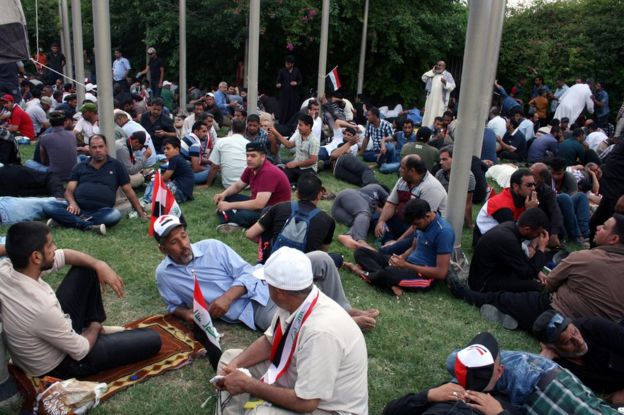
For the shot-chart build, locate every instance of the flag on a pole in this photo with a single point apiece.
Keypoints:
(334, 78)
(204, 322)
(163, 202)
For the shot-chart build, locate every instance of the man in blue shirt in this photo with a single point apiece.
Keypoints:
(545, 145)
(228, 284)
(601, 102)
(417, 268)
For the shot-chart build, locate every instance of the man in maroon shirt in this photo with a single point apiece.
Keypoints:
(269, 186)
(19, 121)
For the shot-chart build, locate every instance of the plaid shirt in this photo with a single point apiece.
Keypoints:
(378, 133)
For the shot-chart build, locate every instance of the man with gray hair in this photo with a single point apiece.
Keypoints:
(312, 359)
(439, 84)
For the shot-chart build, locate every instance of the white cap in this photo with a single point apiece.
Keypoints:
(167, 83)
(90, 87)
(287, 269)
(164, 225)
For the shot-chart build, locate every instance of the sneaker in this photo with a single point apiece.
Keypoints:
(51, 223)
(99, 229)
(494, 315)
(228, 227)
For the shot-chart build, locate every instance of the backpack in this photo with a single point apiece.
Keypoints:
(294, 234)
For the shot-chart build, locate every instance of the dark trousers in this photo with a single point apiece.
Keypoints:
(242, 217)
(352, 170)
(295, 173)
(510, 283)
(383, 275)
(525, 307)
(79, 296)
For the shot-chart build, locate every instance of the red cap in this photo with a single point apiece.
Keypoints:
(7, 97)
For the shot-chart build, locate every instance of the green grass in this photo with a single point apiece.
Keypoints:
(407, 351)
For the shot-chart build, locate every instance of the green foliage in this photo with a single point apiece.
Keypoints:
(404, 40)
(569, 39)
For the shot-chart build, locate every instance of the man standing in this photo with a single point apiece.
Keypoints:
(574, 101)
(601, 103)
(439, 84)
(323, 370)
(121, 67)
(61, 334)
(156, 69)
(56, 61)
(91, 191)
(269, 186)
(288, 82)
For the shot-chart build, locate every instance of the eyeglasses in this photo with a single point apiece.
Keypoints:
(530, 184)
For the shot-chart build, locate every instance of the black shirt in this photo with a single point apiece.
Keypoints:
(97, 188)
(182, 175)
(611, 183)
(20, 181)
(320, 231)
(161, 123)
(155, 64)
(603, 364)
(498, 259)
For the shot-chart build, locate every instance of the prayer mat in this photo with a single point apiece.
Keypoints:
(178, 349)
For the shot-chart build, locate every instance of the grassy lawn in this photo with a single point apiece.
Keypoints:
(407, 351)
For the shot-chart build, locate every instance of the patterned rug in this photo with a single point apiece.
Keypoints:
(178, 349)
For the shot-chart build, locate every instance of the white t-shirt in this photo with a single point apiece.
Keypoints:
(87, 129)
(131, 127)
(37, 115)
(499, 125)
(594, 139)
(230, 154)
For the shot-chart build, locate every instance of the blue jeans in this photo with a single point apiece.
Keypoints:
(387, 168)
(390, 155)
(58, 211)
(575, 211)
(201, 177)
(20, 209)
(32, 164)
(370, 155)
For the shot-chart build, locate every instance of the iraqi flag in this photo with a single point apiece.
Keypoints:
(209, 334)
(13, 39)
(163, 202)
(334, 79)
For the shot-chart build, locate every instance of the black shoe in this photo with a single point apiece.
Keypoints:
(457, 288)
(494, 315)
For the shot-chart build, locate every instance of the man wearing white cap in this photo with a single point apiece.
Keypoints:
(312, 359)
(228, 283)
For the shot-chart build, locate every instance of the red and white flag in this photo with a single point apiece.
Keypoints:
(202, 317)
(334, 78)
(163, 202)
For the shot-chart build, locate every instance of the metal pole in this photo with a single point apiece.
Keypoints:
(246, 64)
(78, 48)
(469, 126)
(254, 46)
(67, 40)
(322, 68)
(360, 81)
(497, 18)
(103, 69)
(61, 35)
(182, 82)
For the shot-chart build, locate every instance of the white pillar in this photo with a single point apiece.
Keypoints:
(101, 19)
(322, 68)
(469, 126)
(62, 35)
(182, 81)
(69, 62)
(497, 18)
(254, 46)
(78, 48)
(360, 81)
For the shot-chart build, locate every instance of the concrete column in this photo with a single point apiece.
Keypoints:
(322, 68)
(78, 48)
(253, 60)
(69, 61)
(101, 19)
(182, 81)
(360, 81)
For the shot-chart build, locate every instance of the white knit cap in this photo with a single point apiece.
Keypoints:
(287, 269)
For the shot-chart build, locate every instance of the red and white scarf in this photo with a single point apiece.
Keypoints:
(284, 343)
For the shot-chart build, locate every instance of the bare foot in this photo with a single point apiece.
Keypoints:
(397, 291)
(348, 241)
(351, 267)
(365, 323)
(371, 312)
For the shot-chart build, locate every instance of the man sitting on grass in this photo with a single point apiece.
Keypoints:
(306, 146)
(268, 184)
(427, 260)
(227, 281)
(61, 334)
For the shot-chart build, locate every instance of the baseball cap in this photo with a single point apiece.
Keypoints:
(164, 225)
(473, 365)
(549, 326)
(59, 115)
(88, 107)
(256, 146)
(7, 98)
(45, 100)
(210, 94)
(287, 269)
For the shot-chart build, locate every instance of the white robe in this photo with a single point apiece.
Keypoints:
(437, 98)
(573, 101)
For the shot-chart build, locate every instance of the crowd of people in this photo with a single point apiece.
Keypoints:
(547, 247)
